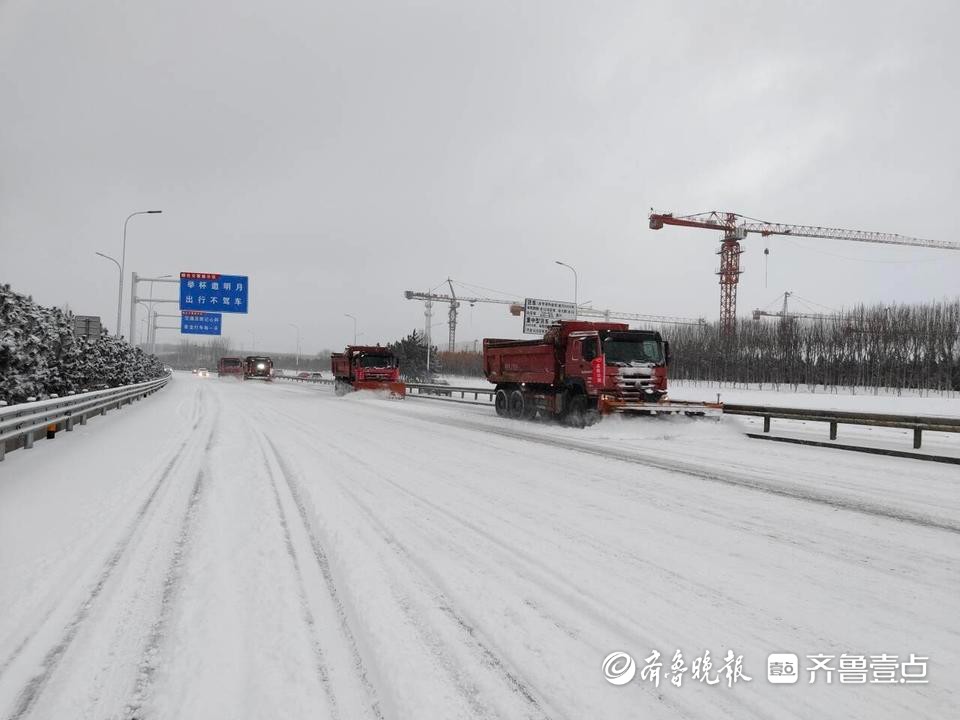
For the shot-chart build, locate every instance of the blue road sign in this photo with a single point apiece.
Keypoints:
(212, 292)
(195, 322)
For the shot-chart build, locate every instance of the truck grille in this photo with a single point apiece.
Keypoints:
(636, 386)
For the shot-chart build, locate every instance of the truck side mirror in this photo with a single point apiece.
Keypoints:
(666, 353)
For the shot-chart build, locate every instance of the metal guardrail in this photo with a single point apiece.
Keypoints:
(317, 381)
(435, 391)
(432, 390)
(21, 424)
(917, 423)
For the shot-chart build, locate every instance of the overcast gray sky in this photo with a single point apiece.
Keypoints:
(339, 153)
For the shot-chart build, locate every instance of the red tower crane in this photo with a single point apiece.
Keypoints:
(736, 227)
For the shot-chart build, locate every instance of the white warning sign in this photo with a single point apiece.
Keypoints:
(538, 315)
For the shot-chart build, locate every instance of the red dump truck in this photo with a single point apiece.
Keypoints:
(228, 366)
(366, 367)
(582, 370)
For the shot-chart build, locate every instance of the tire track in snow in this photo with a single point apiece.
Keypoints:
(171, 586)
(163, 473)
(307, 614)
(323, 563)
(571, 594)
(34, 687)
(487, 656)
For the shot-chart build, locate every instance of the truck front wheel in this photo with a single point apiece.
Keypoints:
(577, 414)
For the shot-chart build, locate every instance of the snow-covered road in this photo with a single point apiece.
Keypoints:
(244, 550)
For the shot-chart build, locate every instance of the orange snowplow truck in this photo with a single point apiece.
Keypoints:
(582, 370)
(366, 367)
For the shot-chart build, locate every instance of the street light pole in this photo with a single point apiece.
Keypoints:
(149, 331)
(153, 333)
(354, 326)
(576, 306)
(120, 269)
(123, 261)
(297, 328)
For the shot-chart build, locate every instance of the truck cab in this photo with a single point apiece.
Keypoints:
(366, 367)
(618, 365)
(257, 367)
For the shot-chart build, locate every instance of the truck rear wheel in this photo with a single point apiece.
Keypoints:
(518, 405)
(501, 403)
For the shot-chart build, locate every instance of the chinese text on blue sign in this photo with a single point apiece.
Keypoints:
(195, 322)
(213, 292)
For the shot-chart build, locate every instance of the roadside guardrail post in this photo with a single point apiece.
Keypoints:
(833, 429)
(917, 436)
(766, 423)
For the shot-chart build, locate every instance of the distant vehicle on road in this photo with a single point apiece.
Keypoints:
(228, 366)
(203, 372)
(257, 367)
(366, 367)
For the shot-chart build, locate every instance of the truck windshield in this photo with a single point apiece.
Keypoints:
(376, 361)
(620, 351)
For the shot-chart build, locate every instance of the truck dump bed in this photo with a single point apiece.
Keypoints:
(520, 361)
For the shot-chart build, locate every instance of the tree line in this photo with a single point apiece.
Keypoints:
(898, 346)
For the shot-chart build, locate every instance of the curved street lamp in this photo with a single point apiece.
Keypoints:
(120, 270)
(354, 326)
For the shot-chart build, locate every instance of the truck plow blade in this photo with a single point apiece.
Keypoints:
(664, 407)
(396, 389)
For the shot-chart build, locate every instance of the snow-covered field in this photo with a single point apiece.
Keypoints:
(228, 549)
